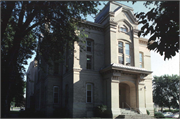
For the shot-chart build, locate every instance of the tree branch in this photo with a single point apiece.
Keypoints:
(33, 26)
(21, 16)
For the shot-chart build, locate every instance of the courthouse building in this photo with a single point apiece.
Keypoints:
(114, 70)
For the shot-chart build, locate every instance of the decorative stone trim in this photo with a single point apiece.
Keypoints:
(142, 76)
(116, 73)
(77, 69)
(143, 42)
(128, 67)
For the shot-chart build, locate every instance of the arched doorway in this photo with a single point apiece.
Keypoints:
(127, 95)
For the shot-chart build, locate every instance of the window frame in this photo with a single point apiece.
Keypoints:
(128, 56)
(125, 55)
(91, 63)
(55, 92)
(91, 92)
(88, 40)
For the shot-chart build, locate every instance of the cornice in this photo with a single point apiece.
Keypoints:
(91, 25)
(125, 68)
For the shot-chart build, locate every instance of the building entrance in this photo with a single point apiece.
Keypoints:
(127, 95)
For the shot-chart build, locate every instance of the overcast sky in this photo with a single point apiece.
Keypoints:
(158, 65)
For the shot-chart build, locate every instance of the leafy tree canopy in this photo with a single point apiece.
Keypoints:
(166, 90)
(24, 21)
(164, 30)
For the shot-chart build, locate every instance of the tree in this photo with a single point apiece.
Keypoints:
(29, 17)
(164, 30)
(25, 51)
(166, 91)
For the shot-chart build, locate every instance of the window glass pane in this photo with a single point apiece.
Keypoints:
(89, 49)
(121, 60)
(121, 29)
(88, 99)
(127, 49)
(88, 87)
(120, 45)
(56, 89)
(140, 57)
(88, 62)
(55, 95)
(128, 60)
(88, 59)
(140, 65)
(88, 93)
(55, 100)
(89, 43)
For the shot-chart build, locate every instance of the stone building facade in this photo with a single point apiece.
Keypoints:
(114, 70)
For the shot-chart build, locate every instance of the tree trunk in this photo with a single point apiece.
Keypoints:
(10, 66)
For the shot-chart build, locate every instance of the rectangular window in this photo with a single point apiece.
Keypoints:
(89, 45)
(56, 94)
(121, 60)
(120, 47)
(141, 60)
(127, 49)
(89, 93)
(89, 62)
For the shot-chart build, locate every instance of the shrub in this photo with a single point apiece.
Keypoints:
(173, 111)
(148, 112)
(159, 115)
(101, 111)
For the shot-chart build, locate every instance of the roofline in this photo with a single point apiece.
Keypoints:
(119, 4)
(125, 6)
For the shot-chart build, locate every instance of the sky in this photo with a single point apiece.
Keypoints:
(158, 65)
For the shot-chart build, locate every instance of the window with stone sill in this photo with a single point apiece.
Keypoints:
(89, 93)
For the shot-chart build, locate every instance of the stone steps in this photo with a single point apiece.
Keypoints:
(129, 114)
(140, 116)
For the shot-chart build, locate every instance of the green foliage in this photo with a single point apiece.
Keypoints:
(159, 115)
(165, 87)
(164, 29)
(148, 112)
(23, 22)
(173, 111)
(101, 111)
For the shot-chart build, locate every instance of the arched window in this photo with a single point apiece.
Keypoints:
(123, 29)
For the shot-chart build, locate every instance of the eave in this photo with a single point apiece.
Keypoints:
(126, 69)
